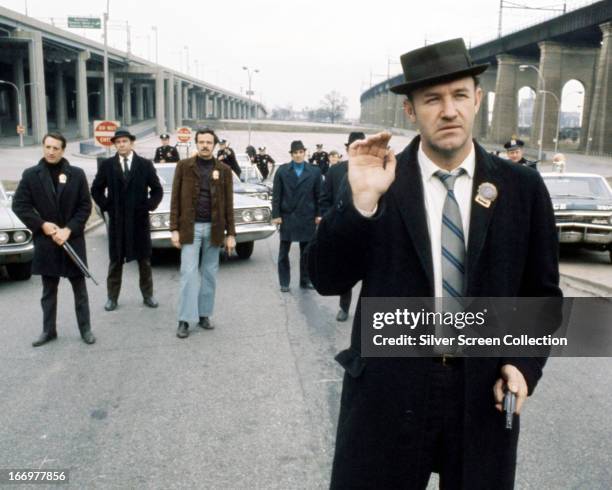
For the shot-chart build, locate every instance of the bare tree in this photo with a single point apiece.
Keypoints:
(335, 105)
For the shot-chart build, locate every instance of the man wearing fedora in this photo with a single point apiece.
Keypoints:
(329, 195)
(166, 153)
(514, 150)
(295, 207)
(442, 219)
(127, 188)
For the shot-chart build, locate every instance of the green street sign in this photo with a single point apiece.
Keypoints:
(84, 22)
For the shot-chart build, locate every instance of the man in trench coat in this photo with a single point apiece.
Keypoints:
(295, 207)
(403, 418)
(53, 200)
(127, 188)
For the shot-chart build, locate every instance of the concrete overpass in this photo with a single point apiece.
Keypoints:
(60, 77)
(573, 46)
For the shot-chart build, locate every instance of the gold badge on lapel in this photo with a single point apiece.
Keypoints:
(62, 178)
(487, 193)
(215, 175)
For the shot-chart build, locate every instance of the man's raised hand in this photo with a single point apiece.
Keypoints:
(371, 169)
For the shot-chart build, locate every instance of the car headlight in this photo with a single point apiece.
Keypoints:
(247, 216)
(4, 238)
(263, 195)
(156, 220)
(20, 236)
(258, 214)
(610, 219)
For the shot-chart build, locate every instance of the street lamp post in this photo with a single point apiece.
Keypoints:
(187, 59)
(19, 116)
(106, 86)
(543, 91)
(154, 28)
(250, 93)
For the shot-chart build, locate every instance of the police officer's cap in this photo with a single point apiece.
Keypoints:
(514, 144)
(222, 141)
(261, 148)
(164, 136)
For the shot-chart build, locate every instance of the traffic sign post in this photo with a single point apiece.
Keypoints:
(20, 129)
(103, 132)
(183, 135)
(84, 23)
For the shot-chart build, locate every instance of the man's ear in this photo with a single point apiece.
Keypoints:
(477, 99)
(409, 110)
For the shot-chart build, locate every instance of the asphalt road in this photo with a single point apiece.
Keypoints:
(252, 404)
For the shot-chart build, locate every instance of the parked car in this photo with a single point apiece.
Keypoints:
(583, 209)
(16, 245)
(252, 216)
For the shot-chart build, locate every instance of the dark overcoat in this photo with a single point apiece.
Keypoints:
(296, 200)
(330, 189)
(127, 200)
(36, 201)
(512, 252)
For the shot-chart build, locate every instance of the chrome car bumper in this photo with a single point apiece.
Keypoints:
(584, 233)
(244, 233)
(16, 254)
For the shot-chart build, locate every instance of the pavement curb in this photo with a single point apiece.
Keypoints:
(591, 287)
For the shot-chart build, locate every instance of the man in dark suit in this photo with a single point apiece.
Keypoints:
(53, 200)
(295, 207)
(166, 153)
(445, 219)
(127, 188)
(329, 195)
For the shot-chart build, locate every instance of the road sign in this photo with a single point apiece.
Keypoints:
(183, 134)
(20, 129)
(84, 23)
(104, 131)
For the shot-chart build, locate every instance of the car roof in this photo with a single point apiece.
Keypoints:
(570, 174)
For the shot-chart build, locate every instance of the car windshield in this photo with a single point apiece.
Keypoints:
(166, 176)
(578, 187)
(250, 174)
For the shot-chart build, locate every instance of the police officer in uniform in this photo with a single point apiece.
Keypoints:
(227, 156)
(320, 158)
(514, 149)
(264, 162)
(166, 153)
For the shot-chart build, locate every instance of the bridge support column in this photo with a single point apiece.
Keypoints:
(600, 121)
(139, 102)
(60, 100)
(127, 101)
(170, 103)
(505, 112)
(82, 98)
(160, 103)
(178, 92)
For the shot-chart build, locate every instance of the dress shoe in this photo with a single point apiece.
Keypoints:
(306, 285)
(183, 330)
(342, 316)
(43, 339)
(88, 337)
(205, 323)
(110, 305)
(151, 302)
(285, 289)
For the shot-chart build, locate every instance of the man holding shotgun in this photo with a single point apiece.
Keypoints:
(53, 200)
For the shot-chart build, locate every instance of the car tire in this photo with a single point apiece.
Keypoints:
(20, 272)
(245, 249)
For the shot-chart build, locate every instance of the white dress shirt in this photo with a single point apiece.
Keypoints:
(434, 193)
(129, 161)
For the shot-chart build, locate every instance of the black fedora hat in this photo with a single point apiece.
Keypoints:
(436, 63)
(296, 146)
(354, 136)
(122, 133)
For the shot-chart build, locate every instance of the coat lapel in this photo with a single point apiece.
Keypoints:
(407, 190)
(61, 186)
(46, 182)
(119, 168)
(480, 217)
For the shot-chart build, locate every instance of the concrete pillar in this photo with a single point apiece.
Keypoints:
(19, 77)
(194, 105)
(127, 101)
(550, 68)
(487, 84)
(150, 100)
(60, 100)
(505, 112)
(160, 102)
(599, 138)
(178, 102)
(38, 98)
(170, 103)
(140, 102)
(186, 102)
(82, 97)
(112, 100)
(205, 104)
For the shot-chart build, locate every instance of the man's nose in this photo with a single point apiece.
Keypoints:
(449, 111)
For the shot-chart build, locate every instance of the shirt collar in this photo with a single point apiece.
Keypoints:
(129, 157)
(429, 168)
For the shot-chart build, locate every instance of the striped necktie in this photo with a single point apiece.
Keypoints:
(453, 239)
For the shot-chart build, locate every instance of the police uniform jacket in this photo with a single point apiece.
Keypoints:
(167, 153)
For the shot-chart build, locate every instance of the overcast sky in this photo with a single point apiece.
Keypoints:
(303, 48)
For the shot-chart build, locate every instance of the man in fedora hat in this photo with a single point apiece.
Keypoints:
(127, 188)
(295, 207)
(514, 150)
(329, 195)
(264, 162)
(444, 218)
(166, 153)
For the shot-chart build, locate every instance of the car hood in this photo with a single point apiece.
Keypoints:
(577, 204)
(240, 201)
(8, 219)
(245, 188)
